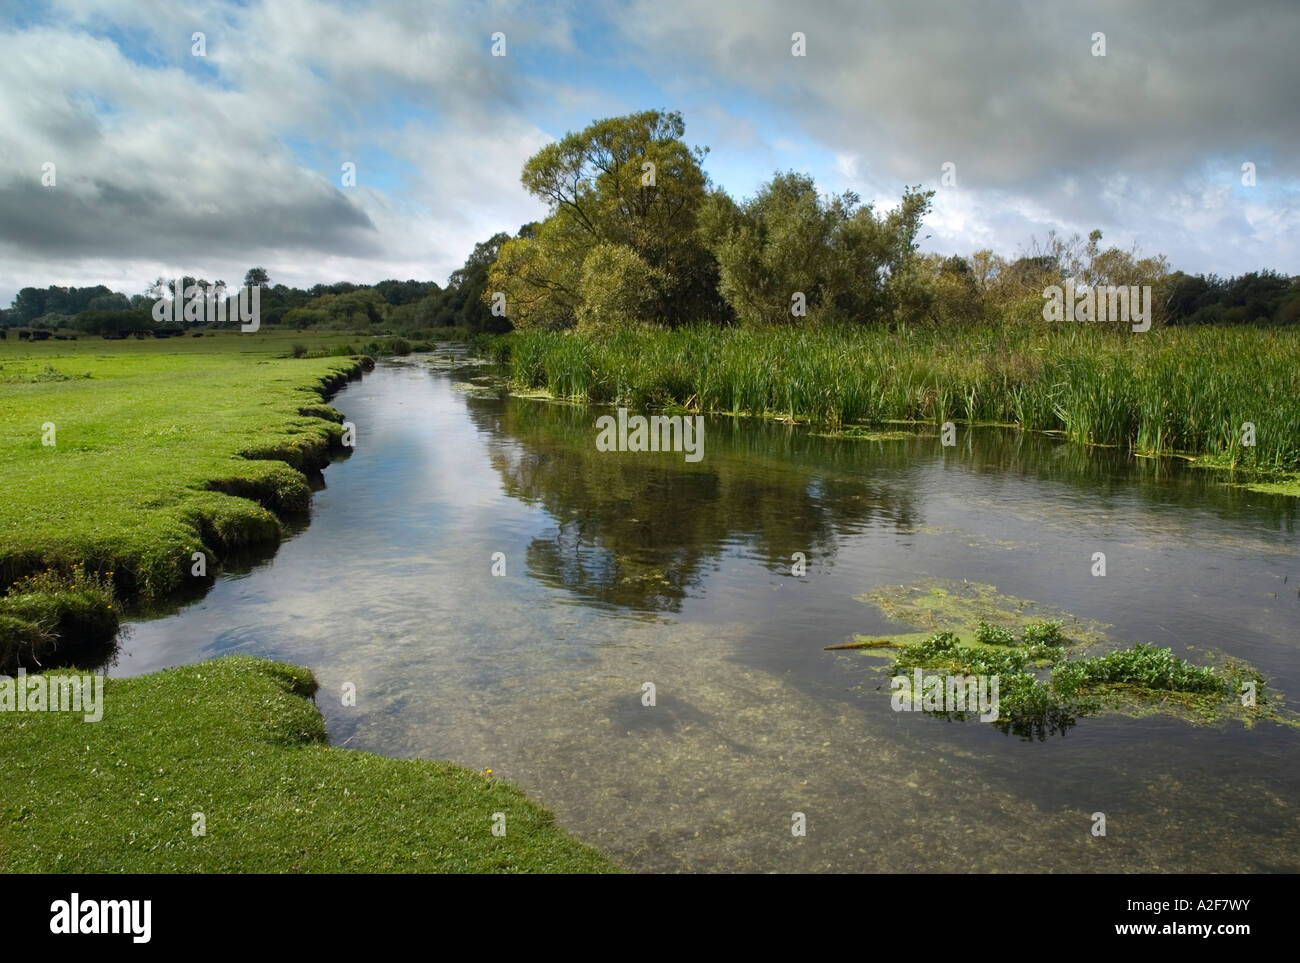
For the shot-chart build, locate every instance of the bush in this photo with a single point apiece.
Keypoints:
(299, 351)
(388, 347)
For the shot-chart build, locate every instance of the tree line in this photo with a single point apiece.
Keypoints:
(636, 233)
(388, 305)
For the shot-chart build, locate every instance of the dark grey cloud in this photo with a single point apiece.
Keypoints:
(159, 161)
(164, 162)
(141, 221)
(1146, 142)
(1009, 91)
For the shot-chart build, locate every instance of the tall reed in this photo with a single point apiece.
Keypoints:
(1173, 390)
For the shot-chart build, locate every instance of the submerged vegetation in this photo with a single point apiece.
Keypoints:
(1046, 682)
(1172, 391)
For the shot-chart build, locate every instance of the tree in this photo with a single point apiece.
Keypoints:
(538, 280)
(617, 287)
(109, 302)
(110, 323)
(257, 276)
(790, 246)
(28, 305)
(467, 285)
(624, 181)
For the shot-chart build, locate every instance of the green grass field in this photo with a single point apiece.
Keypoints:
(238, 740)
(161, 448)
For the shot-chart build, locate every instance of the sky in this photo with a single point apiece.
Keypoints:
(174, 156)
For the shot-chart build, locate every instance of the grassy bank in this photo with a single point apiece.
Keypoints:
(1185, 391)
(122, 459)
(238, 740)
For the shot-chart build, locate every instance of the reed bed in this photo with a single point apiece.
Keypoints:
(1187, 391)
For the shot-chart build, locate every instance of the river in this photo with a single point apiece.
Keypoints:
(628, 568)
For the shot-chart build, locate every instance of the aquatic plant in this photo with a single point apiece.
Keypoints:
(1041, 633)
(1166, 391)
(1030, 705)
(1143, 665)
(987, 634)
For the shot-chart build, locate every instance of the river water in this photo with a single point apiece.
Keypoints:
(628, 568)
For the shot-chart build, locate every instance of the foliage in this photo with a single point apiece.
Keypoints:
(986, 634)
(617, 287)
(840, 256)
(389, 346)
(1142, 665)
(1185, 390)
(1032, 706)
(628, 182)
(636, 232)
(257, 277)
(1041, 633)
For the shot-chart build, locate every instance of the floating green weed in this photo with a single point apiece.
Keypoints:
(1031, 704)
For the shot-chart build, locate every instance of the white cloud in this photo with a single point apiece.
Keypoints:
(233, 160)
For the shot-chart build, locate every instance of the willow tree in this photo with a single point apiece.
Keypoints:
(790, 252)
(631, 187)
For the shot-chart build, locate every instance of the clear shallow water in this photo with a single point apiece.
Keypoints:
(628, 568)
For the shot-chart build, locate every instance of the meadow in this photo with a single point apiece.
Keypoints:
(1183, 391)
(120, 460)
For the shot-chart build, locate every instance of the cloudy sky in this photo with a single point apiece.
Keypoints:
(168, 162)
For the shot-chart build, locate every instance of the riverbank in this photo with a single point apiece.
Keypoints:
(160, 450)
(1190, 392)
(139, 466)
(223, 767)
